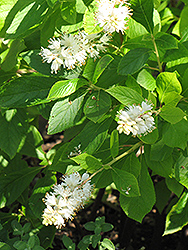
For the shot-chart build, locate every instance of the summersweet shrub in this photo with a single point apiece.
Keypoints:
(112, 76)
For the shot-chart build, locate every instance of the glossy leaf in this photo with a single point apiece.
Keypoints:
(177, 217)
(114, 143)
(64, 114)
(133, 61)
(10, 59)
(88, 162)
(42, 186)
(143, 13)
(137, 207)
(181, 170)
(25, 91)
(10, 181)
(65, 88)
(97, 105)
(125, 95)
(13, 130)
(101, 66)
(167, 82)
(176, 135)
(125, 182)
(146, 80)
(172, 114)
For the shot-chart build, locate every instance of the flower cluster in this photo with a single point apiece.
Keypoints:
(66, 199)
(113, 15)
(71, 50)
(136, 120)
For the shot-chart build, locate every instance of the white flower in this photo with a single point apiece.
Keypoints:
(66, 199)
(137, 120)
(71, 50)
(113, 15)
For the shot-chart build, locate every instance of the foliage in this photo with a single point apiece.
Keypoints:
(147, 62)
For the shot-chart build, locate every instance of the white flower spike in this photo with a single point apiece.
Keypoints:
(66, 199)
(71, 50)
(113, 15)
(137, 120)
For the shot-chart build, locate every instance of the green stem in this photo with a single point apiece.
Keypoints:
(93, 86)
(124, 154)
(157, 53)
(113, 161)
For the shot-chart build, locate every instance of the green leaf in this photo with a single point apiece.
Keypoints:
(146, 80)
(172, 98)
(46, 236)
(90, 226)
(172, 114)
(80, 7)
(34, 60)
(132, 165)
(137, 207)
(101, 66)
(174, 186)
(135, 29)
(125, 182)
(24, 18)
(184, 19)
(103, 178)
(133, 84)
(5, 8)
(114, 143)
(166, 41)
(20, 245)
(162, 195)
(181, 170)
(176, 56)
(125, 95)
(64, 114)
(167, 82)
(68, 243)
(17, 228)
(96, 239)
(104, 80)
(97, 105)
(160, 151)
(51, 3)
(68, 11)
(150, 138)
(88, 162)
(4, 246)
(33, 239)
(13, 130)
(10, 59)
(158, 166)
(178, 216)
(91, 137)
(176, 135)
(10, 181)
(38, 248)
(42, 186)
(32, 144)
(89, 69)
(107, 244)
(90, 22)
(106, 227)
(25, 91)
(143, 13)
(65, 88)
(133, 61)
